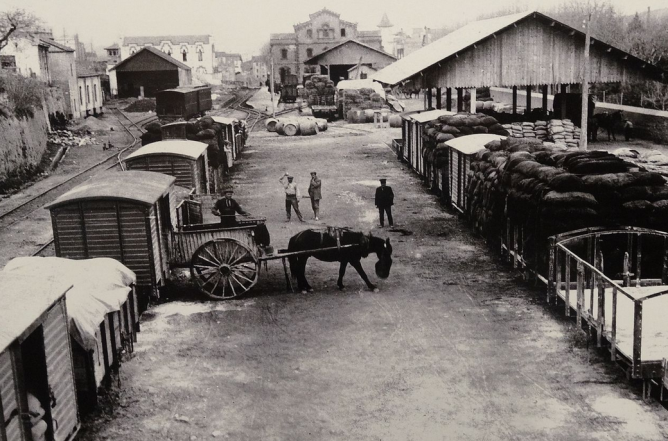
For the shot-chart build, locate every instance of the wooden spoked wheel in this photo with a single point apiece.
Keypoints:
(224, 268)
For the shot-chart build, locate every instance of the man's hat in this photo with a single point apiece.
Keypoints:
(313, 173)
(383, 180)
(289, 177)
(228, 189)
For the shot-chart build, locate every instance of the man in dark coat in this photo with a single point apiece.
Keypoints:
(315, 194)
(384, 202)
(227, 208)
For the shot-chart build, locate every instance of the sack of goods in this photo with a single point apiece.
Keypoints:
(318, 90)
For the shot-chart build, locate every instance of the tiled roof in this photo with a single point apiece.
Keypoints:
(157, 52)
(56, 47)
(227, 54)
(348, 42)
(385, 22)
(368, 33)
(173, 39)
(113, 46)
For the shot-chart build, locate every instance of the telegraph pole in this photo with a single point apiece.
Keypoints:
(271, 85)
(585, 86)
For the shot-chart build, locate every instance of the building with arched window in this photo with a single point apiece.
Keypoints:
(324, 29)
(195, 51)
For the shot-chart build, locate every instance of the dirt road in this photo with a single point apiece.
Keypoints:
(453, 347)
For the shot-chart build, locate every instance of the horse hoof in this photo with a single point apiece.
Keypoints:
(310, 290)
(341, 287)
(303, 291)
(376, 290)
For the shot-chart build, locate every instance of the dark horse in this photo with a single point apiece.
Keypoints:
(313, 240)
(608, 121)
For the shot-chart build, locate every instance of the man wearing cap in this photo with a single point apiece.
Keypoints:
(291, 196)
(227, 208)
(384, 202)
(315, 194)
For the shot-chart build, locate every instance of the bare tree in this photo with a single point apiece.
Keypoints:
(656, 95)
(15, 20)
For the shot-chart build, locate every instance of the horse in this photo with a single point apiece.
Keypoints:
(366, 244)
(609, 121)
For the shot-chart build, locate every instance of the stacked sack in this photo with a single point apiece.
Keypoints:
(537, 130)
(563, 131)
(318, 90)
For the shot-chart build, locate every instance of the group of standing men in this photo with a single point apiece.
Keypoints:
(227, 208)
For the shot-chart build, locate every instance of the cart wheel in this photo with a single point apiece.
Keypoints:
(224, 268)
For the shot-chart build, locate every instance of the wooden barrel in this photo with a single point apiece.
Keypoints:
(395, 120)
(291, 128)
(368, 115)
(321, 123)
(279, 127)
(271, 124)
(308, 127)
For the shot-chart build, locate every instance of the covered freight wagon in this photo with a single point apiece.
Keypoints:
(412, 131)
(183, 102)
(37, 395)
(125, 216)
(183, 159)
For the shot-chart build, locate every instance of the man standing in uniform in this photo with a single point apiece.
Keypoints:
(315, 194)
(384, 202)
(291, 196)
(227, 208)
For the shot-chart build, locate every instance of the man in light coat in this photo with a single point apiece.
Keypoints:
(315, 194)
(292, 196)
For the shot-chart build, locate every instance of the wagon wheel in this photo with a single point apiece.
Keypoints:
(224, 268)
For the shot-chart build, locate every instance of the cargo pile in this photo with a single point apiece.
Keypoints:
(297, 126)
(563, 131)
(153, 133)
(318, 90)
(69, 139)
(652, 160)
(550, 189)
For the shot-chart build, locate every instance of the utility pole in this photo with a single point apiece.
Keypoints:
(271, 84)
(585, 86)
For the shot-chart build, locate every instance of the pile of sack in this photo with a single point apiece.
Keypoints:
(563, 131)
(153, 133)
(537, 130)
(319, 90)
(652, 160)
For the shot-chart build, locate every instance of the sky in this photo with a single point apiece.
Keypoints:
(243, 26)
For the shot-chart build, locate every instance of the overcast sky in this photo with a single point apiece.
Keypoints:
(243, 26)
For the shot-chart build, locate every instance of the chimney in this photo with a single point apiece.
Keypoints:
(648, 16)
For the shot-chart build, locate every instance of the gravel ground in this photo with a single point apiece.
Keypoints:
(453, 347)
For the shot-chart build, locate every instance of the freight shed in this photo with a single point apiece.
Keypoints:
(340, 59)
(529, 50)
(147, 71)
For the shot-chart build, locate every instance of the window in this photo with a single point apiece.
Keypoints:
(309, 53)
(132, 51)
(88, 94)
(95, 93)
(72, 69)
(80, 95)
(184, 54)
(343, 32)
(169, 53)
(363, 76)
(400, 53)
(200, 55)
(284, 54)
(309, 33)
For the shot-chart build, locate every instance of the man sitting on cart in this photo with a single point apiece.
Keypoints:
(227, 208)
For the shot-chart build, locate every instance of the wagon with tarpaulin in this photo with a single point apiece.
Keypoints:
(37, 394)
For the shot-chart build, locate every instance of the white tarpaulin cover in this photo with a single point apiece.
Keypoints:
(99, 286)
(362, 84)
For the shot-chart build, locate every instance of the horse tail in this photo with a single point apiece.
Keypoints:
(292, 260)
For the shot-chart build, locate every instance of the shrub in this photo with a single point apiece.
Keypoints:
(24, 95)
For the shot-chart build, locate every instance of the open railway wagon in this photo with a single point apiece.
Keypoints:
(234, 132)
(615, 281)
(185, 160)
(182, 102)
(37, 394)
(102, 312)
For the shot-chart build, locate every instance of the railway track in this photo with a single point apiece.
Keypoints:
(25, 209)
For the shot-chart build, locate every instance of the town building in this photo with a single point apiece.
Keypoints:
(339, 61)
(147, 71)
(404, 43)
(113, 58)
(228, 65)
(195, 51)
(91, 98)
(28, 55)
(323, 31)
(257, 70)
(63, 71)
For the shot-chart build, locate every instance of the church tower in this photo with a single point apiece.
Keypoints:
(387, 34)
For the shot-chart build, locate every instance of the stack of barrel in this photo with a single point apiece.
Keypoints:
(549, 189)
(306, 126)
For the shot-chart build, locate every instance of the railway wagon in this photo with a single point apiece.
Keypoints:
(175, 130)
(414, 141)
(183, 159)
(103, 316)
(183, 102)
(233, 132)
(37, 394)
(125, 216)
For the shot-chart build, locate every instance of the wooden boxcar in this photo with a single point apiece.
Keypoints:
(102, 308)
(460, 154)
(183, 102)
(35, 360)
(126, 216)
(412, 130)
(232, 132)
(183, 159)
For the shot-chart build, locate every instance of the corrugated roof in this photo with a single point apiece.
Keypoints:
(157, 52)
(430, 115)
(182, 148)
(172, 39)
(470, 144)
(23, 299)
(133, 186)
(315, 57)
(444, 47)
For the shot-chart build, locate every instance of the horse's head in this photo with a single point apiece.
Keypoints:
(383, 250)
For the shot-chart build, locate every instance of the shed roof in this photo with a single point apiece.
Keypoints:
(224, 120)
(172, 39)
(430, 115)
(184, 89)
(113, 46)
(23, 300)
(154, 51)
(464, 41)
(315, 58)
(56, 47)
(470, 144)
(134, 186)
(175, 147)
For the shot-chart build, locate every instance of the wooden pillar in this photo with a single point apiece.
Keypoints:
(563, 102)
(429, 98)
(448, 98)
(528, 110)
(514, 100)
(545, 99)
(460, 99)
(473, 99)
(438, 98)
